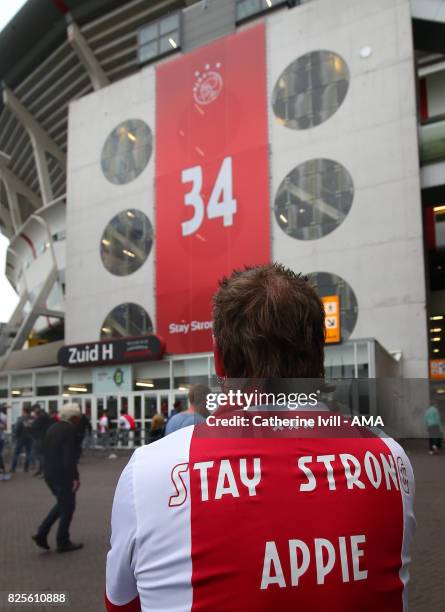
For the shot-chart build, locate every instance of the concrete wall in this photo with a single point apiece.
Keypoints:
(92, 292)
(378, 248)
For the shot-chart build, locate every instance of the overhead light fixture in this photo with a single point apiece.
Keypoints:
(439, 209)
(301, 210)
(435, 339)
(436, 329)
(65, 394)
(106, 242)
(182, 388)
(130, 214)
(172, 42)
(144, 383)
(131, 136)
(107, 330)
(436, 351)
(129, 253)
(76, 389)
(440, 391)
(269, 3)
(16, 392)
(283, 218)
(436, 318)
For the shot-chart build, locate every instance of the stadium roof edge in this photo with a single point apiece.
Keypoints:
(38, 29)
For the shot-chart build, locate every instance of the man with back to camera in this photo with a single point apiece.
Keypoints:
(261, 524)
(195, 413)
(61, 453)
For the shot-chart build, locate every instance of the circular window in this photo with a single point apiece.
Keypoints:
(126, 151)
(126, 242)
(314, 199)
(310, 90)
(126, 320)
(331, 284)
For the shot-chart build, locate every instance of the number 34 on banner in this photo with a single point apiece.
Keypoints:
(221, 202)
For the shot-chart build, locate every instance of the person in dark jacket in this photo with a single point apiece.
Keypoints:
(60, 450)
(23, 439)
(39, 428)
(83, 429)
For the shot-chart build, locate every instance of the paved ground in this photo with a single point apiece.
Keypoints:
(25, 500)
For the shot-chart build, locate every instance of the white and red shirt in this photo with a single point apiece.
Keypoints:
(259, 524)
(126, 422)
(103, 424)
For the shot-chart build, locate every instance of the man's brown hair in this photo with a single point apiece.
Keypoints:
(198, 398)
(268, 322)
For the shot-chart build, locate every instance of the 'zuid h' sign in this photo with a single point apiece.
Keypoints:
(122, 350)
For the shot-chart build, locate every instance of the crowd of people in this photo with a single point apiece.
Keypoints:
(29, 431)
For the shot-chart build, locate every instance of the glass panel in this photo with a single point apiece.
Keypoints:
(126, 320)
(148, 52)
(314, 199)
(150, 406)
(432, 141)
(126, 242)
(187, 372)
(151, 376)
(246, 8)
(362, 360)
(127, 151)
(170, 23)
(339, 361)
(148, 33)
(168, 43)
(112, 410)
(164, 406)
(331, 284)
(310, 90)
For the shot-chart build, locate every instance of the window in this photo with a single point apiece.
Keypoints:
(310, 90)
(331, 284)
(126, 242)
(159, 38)
(127, 151)
(126, 320)
(248, 8)
(314, 199)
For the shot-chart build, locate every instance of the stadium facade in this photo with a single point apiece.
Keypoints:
(147, 148)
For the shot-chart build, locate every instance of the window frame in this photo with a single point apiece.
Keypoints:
(157, 22)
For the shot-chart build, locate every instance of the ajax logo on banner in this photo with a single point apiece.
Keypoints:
(208, 85)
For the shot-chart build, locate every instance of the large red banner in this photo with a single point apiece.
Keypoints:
(212, 180)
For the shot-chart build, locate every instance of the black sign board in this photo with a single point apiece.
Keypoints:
(108, 352)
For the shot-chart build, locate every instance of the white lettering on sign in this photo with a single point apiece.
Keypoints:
(89, 354)
(185, 328)
(324, 554)
(221, 202)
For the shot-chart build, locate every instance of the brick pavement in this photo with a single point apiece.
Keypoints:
(24, 501)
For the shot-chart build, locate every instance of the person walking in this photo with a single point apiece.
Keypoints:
(60, 449)
(434, 426)
(103, 427)
(83, 430)
(39, 428)
(125, 424)
(196, 412)
(23, 439)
